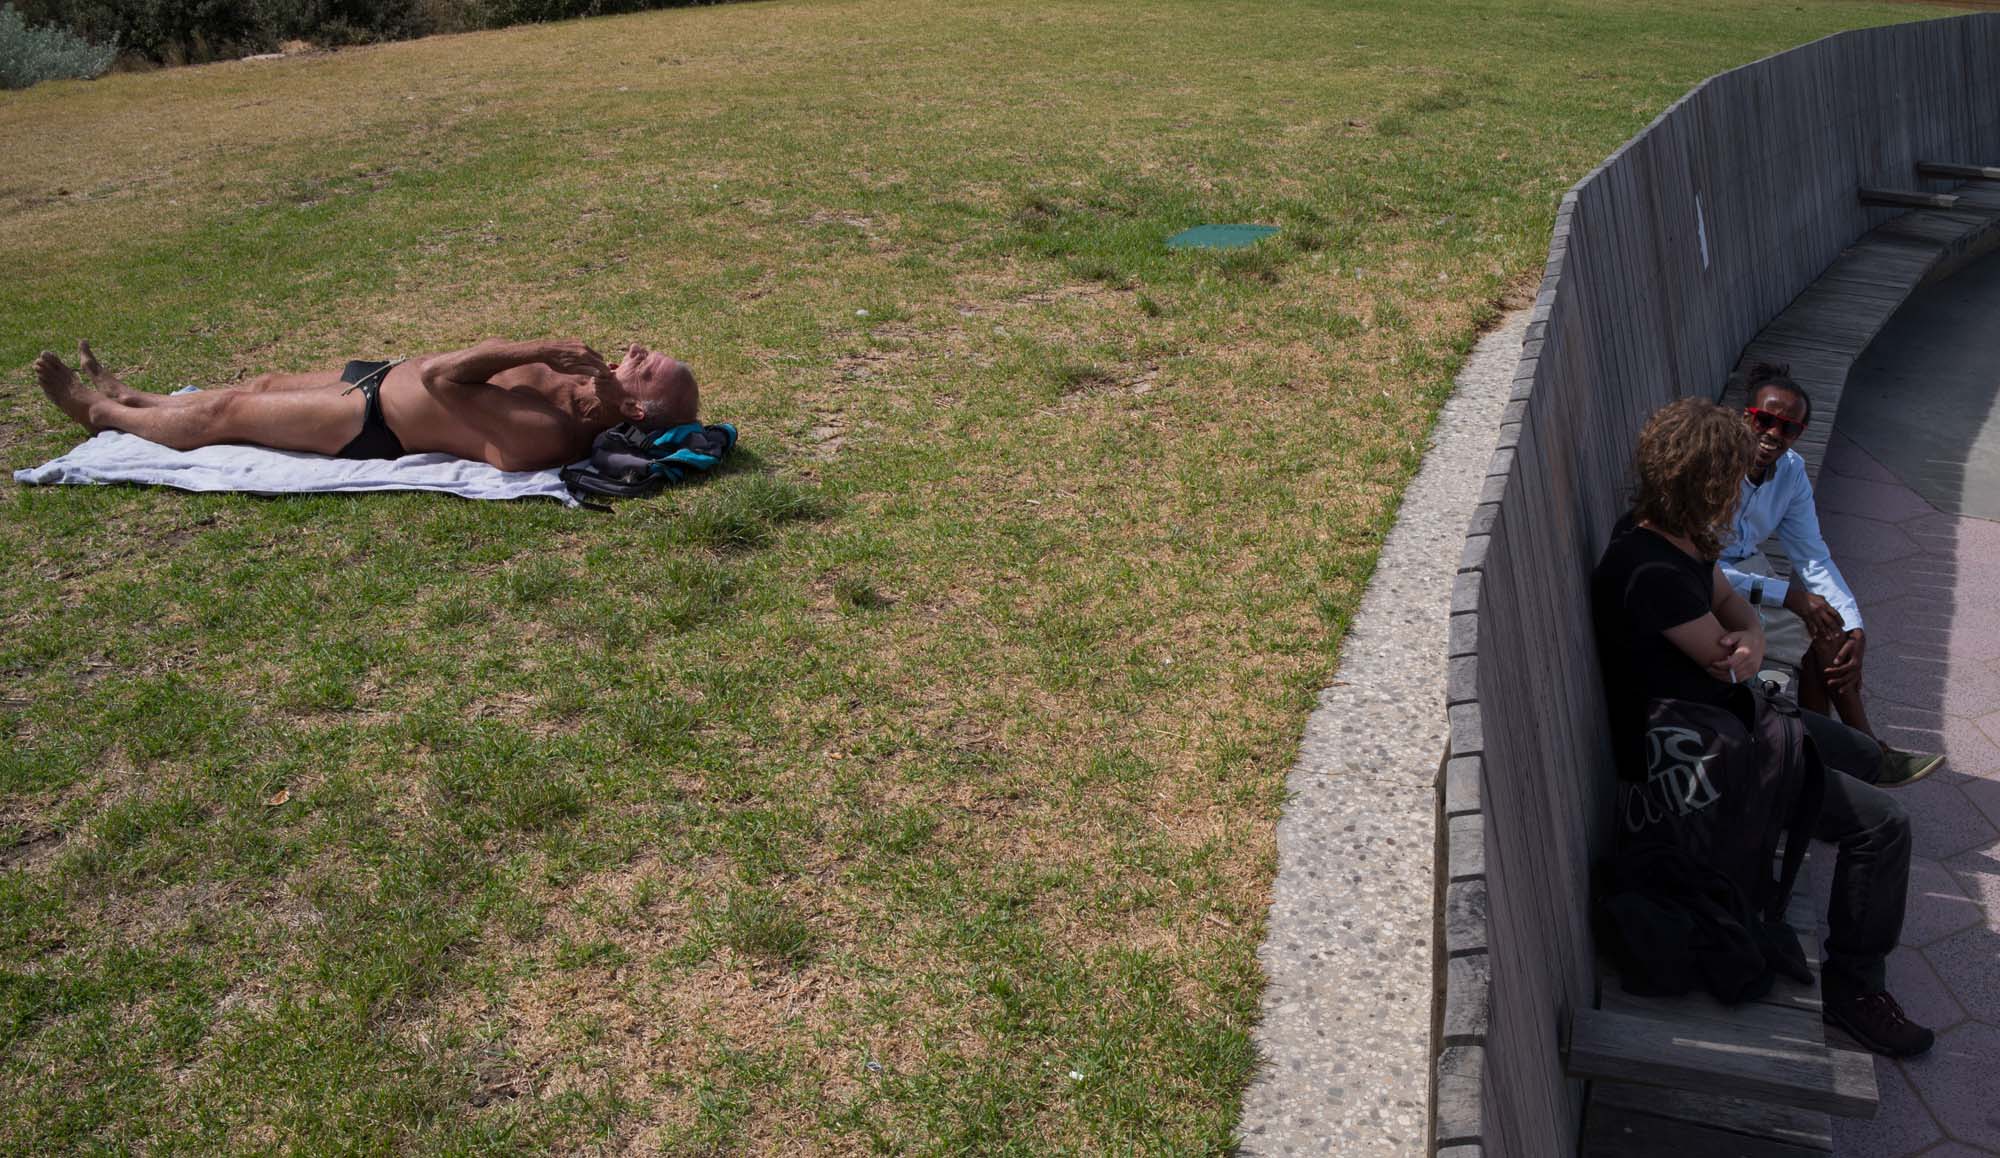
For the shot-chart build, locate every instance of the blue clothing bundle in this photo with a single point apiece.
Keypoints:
(1784, 503)
(626, 461)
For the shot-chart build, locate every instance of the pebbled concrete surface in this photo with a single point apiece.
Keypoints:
(1347, 1014)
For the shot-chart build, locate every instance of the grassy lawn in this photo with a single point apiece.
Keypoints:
(908, 788)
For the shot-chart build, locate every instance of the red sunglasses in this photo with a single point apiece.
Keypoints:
(1765, 421)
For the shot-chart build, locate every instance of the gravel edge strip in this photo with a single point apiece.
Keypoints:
(1345, 1038)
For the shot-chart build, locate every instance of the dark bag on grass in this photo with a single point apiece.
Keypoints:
(1694, 895)
(626, 462)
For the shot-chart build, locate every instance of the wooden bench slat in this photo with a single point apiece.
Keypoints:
(1935, 228)
(1840, 298)
(1829, 324)
(1904, 198)
(1986, 203)
(1861, 286)
(1799, 996)
(1804, 362)
(1788, 1128)
(1832, 315)
(1886, 259)
(1983, 196)
(1621, 1134)
(1713, 1058)
(1844, 345)
(1948, 169)
(1769, 1017)
(1617, 1131)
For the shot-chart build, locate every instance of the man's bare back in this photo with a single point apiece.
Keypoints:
(516, 405)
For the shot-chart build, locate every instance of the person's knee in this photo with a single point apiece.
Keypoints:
(1890, 833)
(225, 418)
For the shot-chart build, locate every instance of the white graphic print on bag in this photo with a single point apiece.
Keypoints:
(1677, 780)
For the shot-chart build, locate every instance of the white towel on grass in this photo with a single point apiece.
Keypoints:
(116, 457)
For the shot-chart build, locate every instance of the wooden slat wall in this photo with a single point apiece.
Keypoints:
(1628, 319)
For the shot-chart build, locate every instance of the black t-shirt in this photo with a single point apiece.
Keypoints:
(1642, 586)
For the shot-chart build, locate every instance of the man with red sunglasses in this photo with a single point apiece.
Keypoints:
(1777, 498)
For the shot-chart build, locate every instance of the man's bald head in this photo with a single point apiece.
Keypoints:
(659, 391)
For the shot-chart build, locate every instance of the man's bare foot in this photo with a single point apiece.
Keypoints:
(105, 380)
(60, 383)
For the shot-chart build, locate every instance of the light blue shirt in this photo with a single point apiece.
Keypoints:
(1784, 504)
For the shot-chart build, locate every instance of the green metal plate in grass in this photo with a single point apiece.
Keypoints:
(1220, 236)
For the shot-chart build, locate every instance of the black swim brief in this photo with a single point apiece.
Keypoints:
(376, 440)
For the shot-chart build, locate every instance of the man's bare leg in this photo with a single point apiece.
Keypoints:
(115, 389)
(279, 383)
(321, 420)
(1815, 696)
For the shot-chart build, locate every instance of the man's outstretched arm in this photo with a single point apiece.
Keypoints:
(1799, 532)
(476, 365)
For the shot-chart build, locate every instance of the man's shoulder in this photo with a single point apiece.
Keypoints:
(1792, 470)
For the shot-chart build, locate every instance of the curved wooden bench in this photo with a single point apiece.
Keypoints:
(1828, 326)
(1664, 264)
(1674, 1076)
(1825, 330)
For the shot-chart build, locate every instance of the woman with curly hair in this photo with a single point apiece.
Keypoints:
(1670, 627)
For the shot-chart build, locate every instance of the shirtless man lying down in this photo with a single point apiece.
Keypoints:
(516, 405)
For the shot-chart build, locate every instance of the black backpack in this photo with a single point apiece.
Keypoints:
(1695, 893)
(627, 462)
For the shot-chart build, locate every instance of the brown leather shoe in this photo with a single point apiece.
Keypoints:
(1878, 1022)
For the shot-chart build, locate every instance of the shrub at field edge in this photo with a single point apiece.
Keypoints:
(30, 54)
(175, 32)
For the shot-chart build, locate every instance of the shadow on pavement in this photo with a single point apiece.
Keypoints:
(1909, 496)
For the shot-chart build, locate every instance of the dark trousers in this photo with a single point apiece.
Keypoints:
(1871, 875)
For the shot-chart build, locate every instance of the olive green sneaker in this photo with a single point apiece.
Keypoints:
(1900, 768)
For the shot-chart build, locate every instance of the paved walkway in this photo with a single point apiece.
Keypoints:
(1929, 586)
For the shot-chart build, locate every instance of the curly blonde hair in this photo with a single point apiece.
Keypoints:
(1691, 461)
